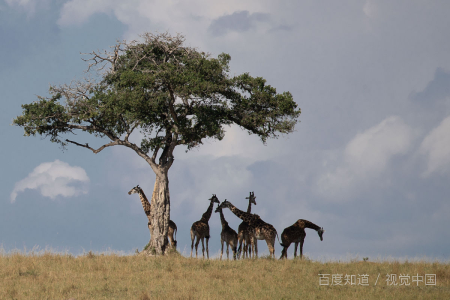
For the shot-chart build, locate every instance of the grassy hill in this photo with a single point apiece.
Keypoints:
(108, 276)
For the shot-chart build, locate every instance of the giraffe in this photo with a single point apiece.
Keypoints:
(147, 207)
(244, 235)
(200, 229)
(296, 234)
(260, 229)
(228, 235)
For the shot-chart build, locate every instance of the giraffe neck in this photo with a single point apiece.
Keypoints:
(311, 225)
(207, 215)
(145, 204)
(249, 209)
(222, 219)
(246, 217)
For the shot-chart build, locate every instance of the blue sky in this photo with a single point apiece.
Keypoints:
(369, 161)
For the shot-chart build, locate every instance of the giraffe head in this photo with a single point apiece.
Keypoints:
(320, 232)
(239, 213)
(136, 190)
(214, 199)
(222, 205)
(219, 208)
(251, 198)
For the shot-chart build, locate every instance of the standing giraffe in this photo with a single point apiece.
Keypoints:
(244, 235)
(296, 234)
(147, 207)
(200, 229)
(228, 235)
(260, 229)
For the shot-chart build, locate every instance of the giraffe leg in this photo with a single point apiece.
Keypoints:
(228, 252)
(287, 247)
(240, 240)
(254, 247)
(173, 242)
(271, 247)
(196, 245)
(174, 236)
(247, 247)
(171, 239)
(301, 248)
(295, 249)
(203, 248)
(192, 239)
(221, 250)
(207, 249)
(283, 253)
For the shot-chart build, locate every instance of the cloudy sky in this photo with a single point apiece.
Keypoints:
(369, 161)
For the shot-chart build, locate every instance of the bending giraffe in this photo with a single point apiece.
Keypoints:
(172, 231)
(260, 229)
(200, 229)
(244, 235)
(296, 234)
(228, 235)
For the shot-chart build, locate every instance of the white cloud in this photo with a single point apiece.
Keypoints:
(371, 150)
(167, 12)
(76, 12)
(436, 146)
(191, 18)
(23, 3)
(366, 156)
(53, 179)
(238, 143)
(27, 5)
(370, 9)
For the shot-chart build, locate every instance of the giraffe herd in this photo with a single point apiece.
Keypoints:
(251, 229)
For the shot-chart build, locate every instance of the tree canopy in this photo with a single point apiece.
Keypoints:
(175, 95)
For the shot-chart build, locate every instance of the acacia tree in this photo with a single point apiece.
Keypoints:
(172, 94)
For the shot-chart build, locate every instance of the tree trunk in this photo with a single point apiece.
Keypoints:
(160, 215)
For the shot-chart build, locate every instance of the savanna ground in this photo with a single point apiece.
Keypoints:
(47, 275)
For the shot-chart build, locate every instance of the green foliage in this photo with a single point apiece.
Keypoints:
(43, 117)
(174, 94)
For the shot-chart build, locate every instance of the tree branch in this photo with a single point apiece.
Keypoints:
(130, 131)
(97, 59)
(155, 153)
(92, 149)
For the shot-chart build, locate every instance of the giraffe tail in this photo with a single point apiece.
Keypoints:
(282, 245)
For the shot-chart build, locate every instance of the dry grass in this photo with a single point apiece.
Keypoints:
(98, 276)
